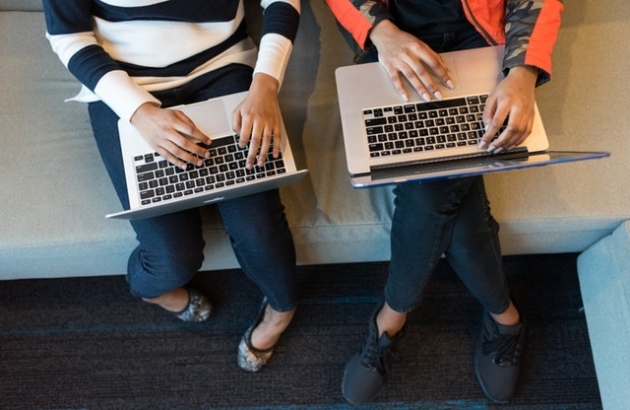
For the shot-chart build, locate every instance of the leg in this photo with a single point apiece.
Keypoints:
(422, 228)
(475, 255)
(264, 247)
(170, 249)
(171, 246)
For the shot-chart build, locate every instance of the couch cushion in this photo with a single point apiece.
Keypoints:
(21, 5)
(604, 272)
(55, 190)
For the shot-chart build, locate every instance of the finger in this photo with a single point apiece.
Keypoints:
(190, 150)
(237, 126)
(433, 66)
(173, 155)
(398, 85)
(492, 128)
(421, 80)
(419, 85)
(264, 146)
(254, 146)
(185, 126)
(195, 144)
(277, 142)
(490, 131)
(255, 142)
(191, 136)
(245, 132)
(197, 136)
(516, 131)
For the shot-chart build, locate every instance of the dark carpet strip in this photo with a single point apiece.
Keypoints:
(85, 343)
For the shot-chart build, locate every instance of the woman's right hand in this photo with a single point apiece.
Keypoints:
(171, 134)
(403, 54)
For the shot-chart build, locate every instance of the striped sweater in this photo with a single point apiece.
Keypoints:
(121, 50)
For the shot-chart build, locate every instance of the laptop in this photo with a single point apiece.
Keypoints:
(156, 187)
(391, 141)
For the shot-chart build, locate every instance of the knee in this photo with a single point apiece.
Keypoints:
(154, 272)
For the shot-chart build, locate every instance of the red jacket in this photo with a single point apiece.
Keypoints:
(530, 26)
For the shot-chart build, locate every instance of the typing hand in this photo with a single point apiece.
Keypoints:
(171, 134)
(402, 54)
(513, 97)
(257, 120)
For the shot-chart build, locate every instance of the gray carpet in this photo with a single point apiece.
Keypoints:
(85, 343)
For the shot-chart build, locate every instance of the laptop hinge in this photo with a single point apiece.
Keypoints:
(521, 152)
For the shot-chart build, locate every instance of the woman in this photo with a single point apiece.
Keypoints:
(451, 217)
(137, 57)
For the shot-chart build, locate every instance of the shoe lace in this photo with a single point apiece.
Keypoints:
(507, 348)
(378, 357)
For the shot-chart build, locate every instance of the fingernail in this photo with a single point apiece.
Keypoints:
(438, 95)
(512, 147)
(483, 144)
(491, 148)
(404, 97)
(426, 97)
(450, 85)
(499, 149)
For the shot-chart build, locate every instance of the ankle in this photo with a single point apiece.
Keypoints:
(390, 321)
(270, 328)
(511, 316)
(173, 301)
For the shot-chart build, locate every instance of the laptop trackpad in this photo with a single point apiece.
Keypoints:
(472, 70)
(210, 117)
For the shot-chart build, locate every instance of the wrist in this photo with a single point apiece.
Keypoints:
(143, 109)
(381, 31)
(525, 72)
(265, 82)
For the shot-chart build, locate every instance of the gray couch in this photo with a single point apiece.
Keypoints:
(55, 192)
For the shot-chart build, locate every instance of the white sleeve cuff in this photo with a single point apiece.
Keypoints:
(122, 95)
(273, 56)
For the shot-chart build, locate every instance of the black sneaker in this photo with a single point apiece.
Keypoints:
(367, 371)
(497, 358)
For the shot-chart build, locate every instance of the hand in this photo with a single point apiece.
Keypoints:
(403, 54)
(171, 134)
(513, 96)
(257, 120)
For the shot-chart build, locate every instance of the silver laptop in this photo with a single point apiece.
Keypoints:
(390, 141)
(156, 187)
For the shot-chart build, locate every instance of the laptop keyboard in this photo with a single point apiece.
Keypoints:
(159, 180)
(416, 127)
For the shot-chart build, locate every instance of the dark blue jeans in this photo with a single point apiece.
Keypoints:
(450, 217)
(170, 250)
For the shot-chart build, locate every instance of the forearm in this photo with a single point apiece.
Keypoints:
(358, 17)
(281, 20)
(71, 35)
(531, 30)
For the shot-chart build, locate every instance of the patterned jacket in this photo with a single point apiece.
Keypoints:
(527, 28)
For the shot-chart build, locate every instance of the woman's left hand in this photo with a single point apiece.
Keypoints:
(257, 120)
(513, 97)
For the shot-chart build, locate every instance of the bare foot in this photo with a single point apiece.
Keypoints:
(173, 301)
(268, 331)
(510, 317)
